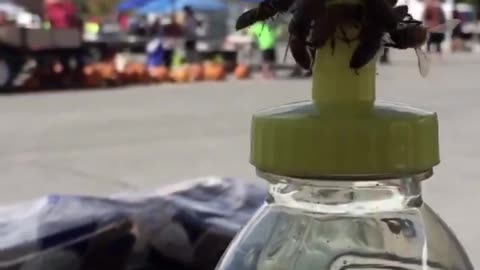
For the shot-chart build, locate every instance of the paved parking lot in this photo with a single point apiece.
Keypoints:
(106, 141)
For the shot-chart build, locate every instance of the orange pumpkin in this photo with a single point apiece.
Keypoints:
(91, 76)
(107, 71)
(180, 74)
(196, 72)
(136, 72)
(208, 68)
(159, 74)
(220, 73)
(242, 72)
(128, 74)
(142, 73)
(214, 71)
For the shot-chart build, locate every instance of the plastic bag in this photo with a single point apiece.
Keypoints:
(187, 226)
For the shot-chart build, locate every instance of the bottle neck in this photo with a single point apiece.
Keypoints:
(339, 88)
(337, 197)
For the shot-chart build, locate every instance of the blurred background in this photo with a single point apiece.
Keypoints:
(103, 96)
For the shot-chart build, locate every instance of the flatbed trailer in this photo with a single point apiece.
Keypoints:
(39, 52)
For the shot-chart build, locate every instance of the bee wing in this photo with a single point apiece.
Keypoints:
(446, 27)
(423, 62)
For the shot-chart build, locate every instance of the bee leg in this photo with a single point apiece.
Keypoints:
(246, 19)
(251, 16)
(267, 9)
(320, 32)
(370, 44)
(299, 29)
(299, 51)
(300, 25)
(364, 53)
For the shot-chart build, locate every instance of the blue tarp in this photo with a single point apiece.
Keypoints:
(182, 227)
(169, 6)
(126, 5)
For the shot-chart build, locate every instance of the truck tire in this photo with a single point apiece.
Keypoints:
(6, 75)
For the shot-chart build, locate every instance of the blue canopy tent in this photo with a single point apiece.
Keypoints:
(127, 5)
(170, 6)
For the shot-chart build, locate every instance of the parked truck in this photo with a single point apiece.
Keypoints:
(55, 55)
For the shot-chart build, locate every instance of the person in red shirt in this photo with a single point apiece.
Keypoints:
(123, 20)
(62, 14)
(434, 15)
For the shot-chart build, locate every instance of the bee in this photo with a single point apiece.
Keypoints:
(267, 9)
(380, 18)
(374, 18)
(316, 22)
(413, 34)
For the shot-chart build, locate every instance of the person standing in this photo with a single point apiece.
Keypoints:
(3, 18)
(191, 25)
(138, 25)
(173, 33)
(434, 15)
(123, 21)
(457, 40)
(266, 38)
(62, 14)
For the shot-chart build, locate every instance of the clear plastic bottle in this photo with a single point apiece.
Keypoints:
(333, 225)
(345, 173)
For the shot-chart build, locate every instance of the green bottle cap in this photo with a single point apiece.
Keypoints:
(343, 131)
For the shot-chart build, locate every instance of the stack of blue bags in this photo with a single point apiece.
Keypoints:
(187, 226)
